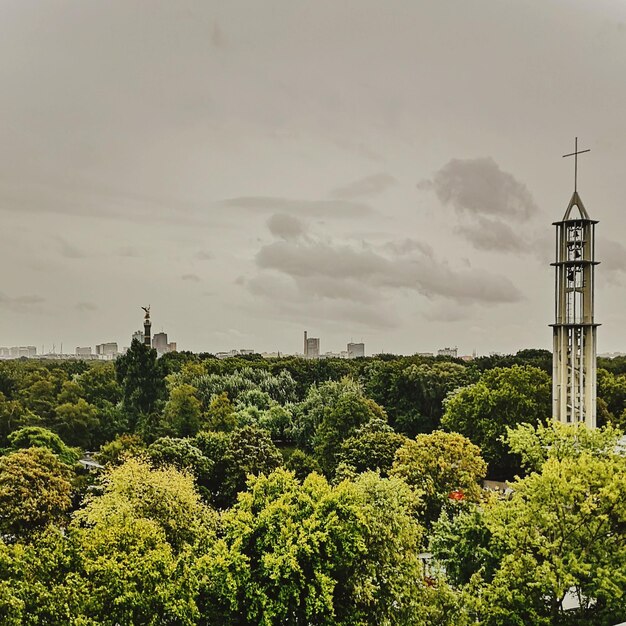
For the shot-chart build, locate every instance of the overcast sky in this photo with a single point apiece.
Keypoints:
(385, 171)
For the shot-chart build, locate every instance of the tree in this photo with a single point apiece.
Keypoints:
(312, 553)
(35, 491)
(437, 465)
(503, 397)
(302, 464)
(463, 545)
(182, 414)
(563, 532)
(14, 416)
(372, 447)
(38, 437)
(165, 496)
(77, 422)
(99, 385)
(117, 451)
(141, 378)
(250, 451)
(221, 414)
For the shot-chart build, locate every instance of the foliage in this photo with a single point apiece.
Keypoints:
(37, 437)
(372, 447)
(438, 464)
(560, 441)
(35, 491)
(312, 553)
(562, 530)
(221, 414)
(141, 378)
(115, 452)
(182, 414)
(503, 397)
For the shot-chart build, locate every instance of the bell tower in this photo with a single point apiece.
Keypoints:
(574, 328)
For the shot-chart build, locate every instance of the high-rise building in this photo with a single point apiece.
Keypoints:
(83, 352)
(107, 350)
(356, 350)
(311, 347)
(138, 335)
(574, 329)
(159, 343)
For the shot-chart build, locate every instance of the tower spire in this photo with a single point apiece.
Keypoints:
(574, 328)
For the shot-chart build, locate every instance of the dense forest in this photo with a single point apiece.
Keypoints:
(246, 492)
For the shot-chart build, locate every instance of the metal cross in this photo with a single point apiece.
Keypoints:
(575, 155)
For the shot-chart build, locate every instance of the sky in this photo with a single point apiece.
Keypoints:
(377, 171)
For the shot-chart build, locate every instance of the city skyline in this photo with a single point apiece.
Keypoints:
(387, 173)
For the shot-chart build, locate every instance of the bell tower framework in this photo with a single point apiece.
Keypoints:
(574, 330)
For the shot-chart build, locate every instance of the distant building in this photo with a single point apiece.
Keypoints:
(159, 343)
(424, 354)
(18, 352)
(83, 352)
(233, 353)
(107, 350)
(311, 347)
(138, 335)
(356, 350)
(453, 352)
(171, 346)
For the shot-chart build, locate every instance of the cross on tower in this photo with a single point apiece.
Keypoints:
(575, 155)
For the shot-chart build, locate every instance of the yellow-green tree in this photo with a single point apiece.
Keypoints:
(438, 464)
(35, 491)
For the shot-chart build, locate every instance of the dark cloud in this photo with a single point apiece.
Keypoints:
(492, 235)
(365, 187)
(191, 277)
(479, 186)
(307, 208)
(285, 226)
(86, 306)
(21, 304)
(322, 267)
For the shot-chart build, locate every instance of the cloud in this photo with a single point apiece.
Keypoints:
(479, 186)
(191, 277)
(322, 268)
(285, 226)
(612, 256)
(307, 208)
(204, 256)
(21, 304)
(492, 235)
(86, 306)
(365, 187)
(70, 251)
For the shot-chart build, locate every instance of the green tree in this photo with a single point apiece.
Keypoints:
(77, 423)
(141, 378)
(117, 451)
(503, 397)
(563, 532)
(38, 437)
(438, 464)
(250, 451)
(35, 491)
(182, 414)
(372, 447)
(220, 415)
(311, 553)
(14, 416)
(99, 385)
